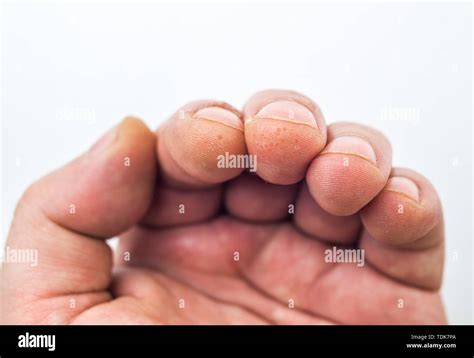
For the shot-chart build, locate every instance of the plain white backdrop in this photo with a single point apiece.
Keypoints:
(69, 72)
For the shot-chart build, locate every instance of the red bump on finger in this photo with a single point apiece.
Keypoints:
(284, 135)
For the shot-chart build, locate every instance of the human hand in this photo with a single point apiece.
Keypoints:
(206, 244)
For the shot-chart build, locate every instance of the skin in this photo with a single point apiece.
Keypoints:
(181, 268)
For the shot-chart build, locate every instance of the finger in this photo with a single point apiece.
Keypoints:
(173, 206)
(194, 138)
(404, 232)
(318, 223)
(248, 197)
(406, 210)
(62, 218)
(351, 170)
(285, 130)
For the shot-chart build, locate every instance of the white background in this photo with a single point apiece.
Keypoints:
(69, 72)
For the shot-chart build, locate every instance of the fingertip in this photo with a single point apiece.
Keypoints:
(192, 141)
(406, 210)
(135, 136)
(119, 171)
(351, 170)
(285, 130)
(344, 183)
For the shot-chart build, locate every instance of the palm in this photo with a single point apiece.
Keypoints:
(190, 275)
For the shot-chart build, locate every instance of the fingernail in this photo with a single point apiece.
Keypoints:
(405, 186)
(288, 111)
(105, 141)
(352, 145)
(221, 115)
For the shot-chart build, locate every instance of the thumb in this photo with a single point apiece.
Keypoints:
(62, 219)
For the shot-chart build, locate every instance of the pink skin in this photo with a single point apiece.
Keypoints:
(255, 263)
